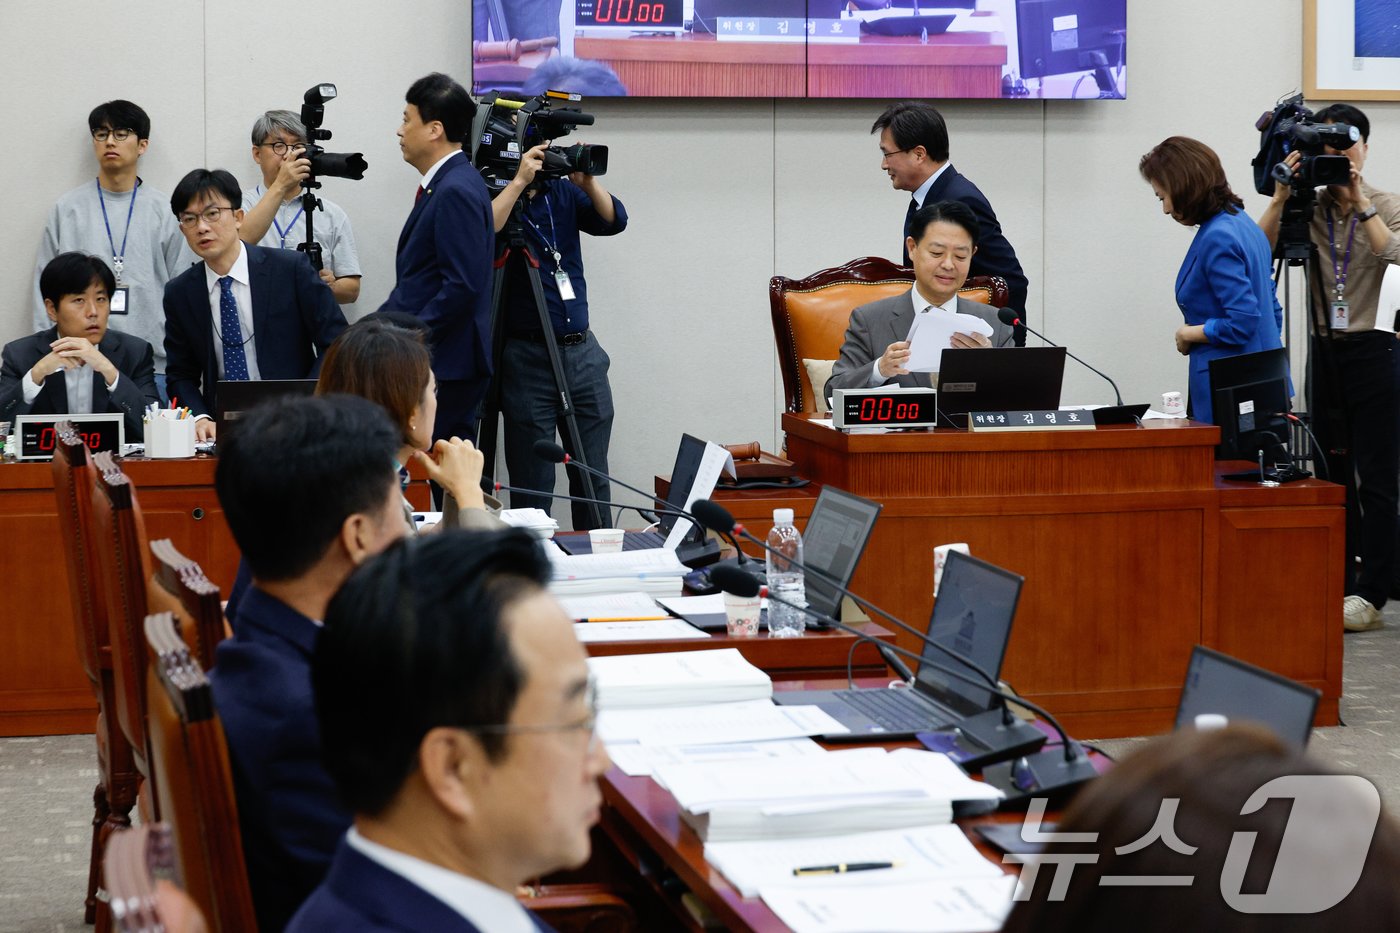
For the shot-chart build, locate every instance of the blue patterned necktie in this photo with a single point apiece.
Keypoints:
(231, 332)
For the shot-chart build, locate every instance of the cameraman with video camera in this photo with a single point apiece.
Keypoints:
(555, 211)
(1354, 411)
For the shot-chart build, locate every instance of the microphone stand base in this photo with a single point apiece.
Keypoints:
(1045, 774)
(698, 553)
(1120, 414)
(985, 739)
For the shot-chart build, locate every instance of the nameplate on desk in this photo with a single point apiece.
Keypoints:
(37, 437)
(760, 29)
(1044, 420)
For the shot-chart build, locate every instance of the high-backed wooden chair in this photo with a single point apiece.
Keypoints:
(195, 600)
(117, 778)
(192, 779)
(810, 315)
(122, 566)
(581, 908)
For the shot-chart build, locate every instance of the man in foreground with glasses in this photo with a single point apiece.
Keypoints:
(273, 214)
(122, 220)
(246, 312)
(914, 154)
(458, 725)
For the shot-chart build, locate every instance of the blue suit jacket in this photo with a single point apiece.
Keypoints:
(1226, 283)
(290, 815)
(295, 318)
(994, 254)
(444, 268)
(136, 388)
(360, 894)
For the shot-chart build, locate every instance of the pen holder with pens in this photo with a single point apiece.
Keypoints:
(169, 435)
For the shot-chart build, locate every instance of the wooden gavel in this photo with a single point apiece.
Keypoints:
(510, 49)
(749, 451)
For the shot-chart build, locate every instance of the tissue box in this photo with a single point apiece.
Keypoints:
(170, 437)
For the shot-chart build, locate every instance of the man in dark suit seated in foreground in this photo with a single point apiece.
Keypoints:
(458, 723)
(310, 490)
(941, 245)
(78, 366)
(246, 312)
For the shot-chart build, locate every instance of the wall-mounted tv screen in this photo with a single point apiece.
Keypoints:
(1027, 49)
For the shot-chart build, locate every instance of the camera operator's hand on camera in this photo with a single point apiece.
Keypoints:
(504, 201)
(597, 194)
(292, 172)
(1282, 191)
(530, 163)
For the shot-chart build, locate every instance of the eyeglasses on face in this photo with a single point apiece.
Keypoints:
(587, 724)
(121, 135)
(209, 215)
(280, 147)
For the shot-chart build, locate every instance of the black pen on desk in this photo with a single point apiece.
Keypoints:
(842, 868)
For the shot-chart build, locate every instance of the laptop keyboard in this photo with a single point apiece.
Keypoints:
(894, 710)
(642, 540)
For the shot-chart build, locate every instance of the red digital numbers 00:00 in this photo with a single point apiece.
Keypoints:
(48, 439)
(624, 10)
(887, 409)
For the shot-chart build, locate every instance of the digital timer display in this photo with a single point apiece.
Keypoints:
(38, 436)
(903, 407)
(629, 13)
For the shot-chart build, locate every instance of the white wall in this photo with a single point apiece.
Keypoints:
(722, 194)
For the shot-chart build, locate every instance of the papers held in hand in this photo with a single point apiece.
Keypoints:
(933, 332)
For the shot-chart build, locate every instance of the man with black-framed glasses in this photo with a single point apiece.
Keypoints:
(121, 219)
(245, 312)
(457, 723)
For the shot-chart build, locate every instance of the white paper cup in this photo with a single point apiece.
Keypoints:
(1172, 404)
(742, 614)
(606, 540)
(940, 558)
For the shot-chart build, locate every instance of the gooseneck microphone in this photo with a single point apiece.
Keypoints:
(1009, 316)
(1043, 773)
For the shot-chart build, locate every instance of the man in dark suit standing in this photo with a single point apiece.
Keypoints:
(914, 153)
(78, 366)
(245, 312)
(446, 250)
(458, 720)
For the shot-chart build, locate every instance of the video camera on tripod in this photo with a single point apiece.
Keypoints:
(350, 165)
(506, 128)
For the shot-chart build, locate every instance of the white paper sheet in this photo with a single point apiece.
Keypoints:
(919, 852)
(646, 630)
(716, 462)
(933, 332)
(678, 678)
(1389, 302)
(963, 906)
(637, 760)
(614, 607)
(713, 604)
(714, 723)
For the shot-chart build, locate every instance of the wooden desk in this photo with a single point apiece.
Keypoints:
(42, 687)
(1133, 549)
(950, 65)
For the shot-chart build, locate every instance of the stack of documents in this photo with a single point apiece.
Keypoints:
(677, 678)
(841, 792)
(536, 521)
(656, 571)
(713, 724)
(961, 905)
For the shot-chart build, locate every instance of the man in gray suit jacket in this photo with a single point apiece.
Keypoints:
(941, 244)
(78, 366)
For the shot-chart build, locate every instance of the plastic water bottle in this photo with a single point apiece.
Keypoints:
(785, 579)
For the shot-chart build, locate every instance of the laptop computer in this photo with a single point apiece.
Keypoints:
(972, 618)
(237, 397)
(1218, 683)
(683, 473)
(998, 379)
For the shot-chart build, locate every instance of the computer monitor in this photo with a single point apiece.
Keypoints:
(972, 617)
(1058, 37)
(237, 397)
(688, 456)
(1218, 683)
(998, 379)
(1249, 396)
(833, 541)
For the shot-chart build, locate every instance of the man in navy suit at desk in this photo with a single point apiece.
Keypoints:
(458, 721)
(446, 250)
(914, 153)
(245, 312)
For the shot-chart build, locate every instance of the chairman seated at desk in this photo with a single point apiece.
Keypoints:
(78, 366)
(941, 244)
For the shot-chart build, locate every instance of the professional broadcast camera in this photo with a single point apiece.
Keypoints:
(505, 128)
(350, 165)
(1290, 126)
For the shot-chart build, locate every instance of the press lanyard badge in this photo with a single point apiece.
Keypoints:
(117, 303)
(118, 256)
(566, 288)
(1340, 315)
(561, 278)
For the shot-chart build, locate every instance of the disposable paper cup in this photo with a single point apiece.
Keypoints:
(606, 540)
(940, 558)
(742, 614)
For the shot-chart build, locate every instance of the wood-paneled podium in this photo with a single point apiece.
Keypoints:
(1132, 546)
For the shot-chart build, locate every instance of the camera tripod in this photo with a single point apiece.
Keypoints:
(512, 247)
(310, 204)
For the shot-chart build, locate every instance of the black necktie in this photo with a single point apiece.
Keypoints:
(908, 222)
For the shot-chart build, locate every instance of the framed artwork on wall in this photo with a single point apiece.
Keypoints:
(1351, 50)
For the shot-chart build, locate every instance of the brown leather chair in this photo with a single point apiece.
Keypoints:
(581, 908)
(179, 585)
(810, 315)
(192, 780)
(122, 569)
(118, 780)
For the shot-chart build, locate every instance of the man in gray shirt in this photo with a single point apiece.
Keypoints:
(125, 222)
(273, 214)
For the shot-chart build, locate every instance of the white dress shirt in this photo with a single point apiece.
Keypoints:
(428, 175)
(243, 294)
(77, 382)
(921, 306)
(921, 192)
(484, 906)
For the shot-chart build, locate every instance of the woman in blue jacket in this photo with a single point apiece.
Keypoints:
(1225, 288)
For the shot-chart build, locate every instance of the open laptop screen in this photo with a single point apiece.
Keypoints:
(1218, 683)
(687, 467)
(999, 379)
(833, 543)
(971, 617)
